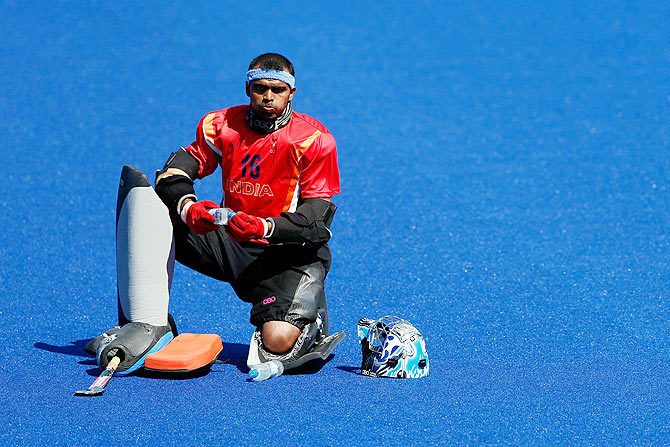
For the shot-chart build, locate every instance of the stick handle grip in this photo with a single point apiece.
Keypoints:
(113, 364)
(107, 374)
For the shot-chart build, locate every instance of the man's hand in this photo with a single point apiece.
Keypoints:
(243, 227)
(197, 217)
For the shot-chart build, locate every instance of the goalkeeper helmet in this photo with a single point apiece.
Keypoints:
(392, 347)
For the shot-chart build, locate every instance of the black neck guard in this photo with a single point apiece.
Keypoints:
(268, 126)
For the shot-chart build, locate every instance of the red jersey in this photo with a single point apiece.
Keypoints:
(264, 175)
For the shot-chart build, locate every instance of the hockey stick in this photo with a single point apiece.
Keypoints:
(98, 387)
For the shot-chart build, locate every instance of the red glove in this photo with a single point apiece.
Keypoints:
(197, 217)
(243, 227)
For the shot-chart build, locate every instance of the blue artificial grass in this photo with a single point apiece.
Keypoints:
(504, 187)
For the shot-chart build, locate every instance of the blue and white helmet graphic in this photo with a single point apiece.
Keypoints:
(392, 347)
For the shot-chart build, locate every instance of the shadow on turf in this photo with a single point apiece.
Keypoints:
(74, 348)
(236, 354)
(232, 354)
(352, 369)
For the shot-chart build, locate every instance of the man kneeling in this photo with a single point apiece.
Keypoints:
(279, 172)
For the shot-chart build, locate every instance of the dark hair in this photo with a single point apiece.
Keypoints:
(272, 61)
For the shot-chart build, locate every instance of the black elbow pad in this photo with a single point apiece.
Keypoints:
(314, 234)
(308, 225)
(171, 190)
(182, 160)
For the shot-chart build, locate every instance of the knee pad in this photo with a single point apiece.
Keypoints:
(259, 354)
(322, 321)
(309, 299)
(319, 350)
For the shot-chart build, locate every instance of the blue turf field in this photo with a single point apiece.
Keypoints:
(506, 187)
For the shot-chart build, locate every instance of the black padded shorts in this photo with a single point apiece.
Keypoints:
(282, 282)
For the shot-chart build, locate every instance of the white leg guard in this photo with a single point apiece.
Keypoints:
(144, 250)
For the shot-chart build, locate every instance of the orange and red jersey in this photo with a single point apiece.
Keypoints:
(265, 175)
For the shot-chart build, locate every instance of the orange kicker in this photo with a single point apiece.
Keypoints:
(185, 353)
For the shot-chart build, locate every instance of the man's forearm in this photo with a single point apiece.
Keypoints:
(308, 224)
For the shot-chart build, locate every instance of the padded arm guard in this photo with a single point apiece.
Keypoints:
(172, 190)
(181, 160)
(308, 225)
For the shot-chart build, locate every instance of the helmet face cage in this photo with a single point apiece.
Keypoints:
(392, 347)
